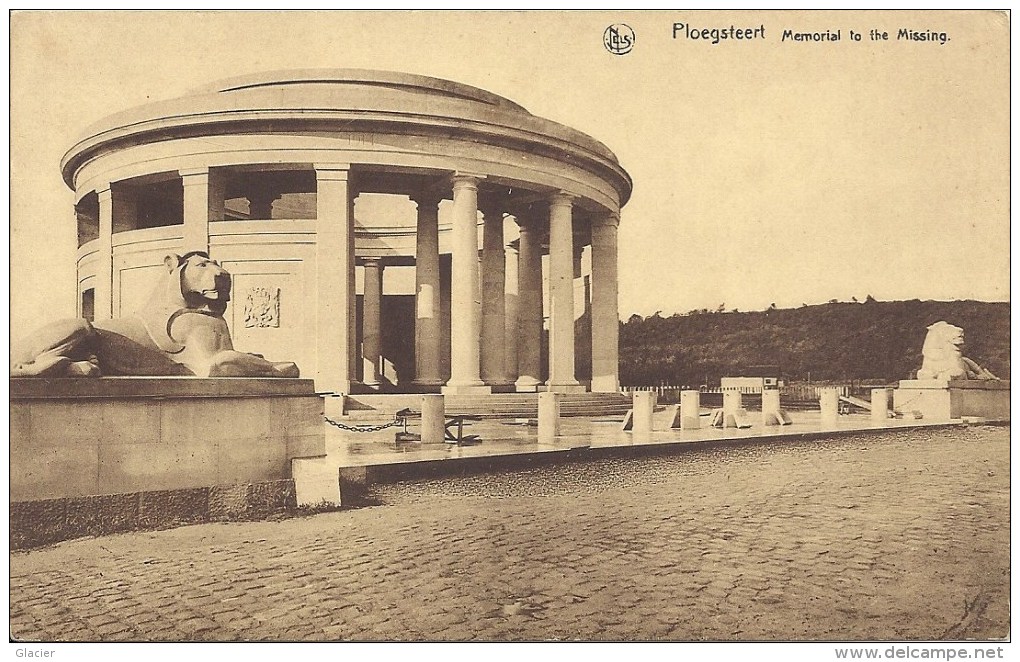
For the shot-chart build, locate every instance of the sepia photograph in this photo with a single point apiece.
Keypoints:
(688, 327)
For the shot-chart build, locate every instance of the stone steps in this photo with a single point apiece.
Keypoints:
(497, 405)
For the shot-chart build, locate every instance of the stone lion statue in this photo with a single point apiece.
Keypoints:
(180, 331)
(943, 357)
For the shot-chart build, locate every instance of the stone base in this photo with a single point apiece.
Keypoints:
(527, 386)
(943, 400)
(47, 521)
(467, 389)
(74, 438)
(566, 388)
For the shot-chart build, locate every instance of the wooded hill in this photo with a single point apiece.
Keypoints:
(870, 340)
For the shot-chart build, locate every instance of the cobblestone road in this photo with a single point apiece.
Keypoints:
(903, 535)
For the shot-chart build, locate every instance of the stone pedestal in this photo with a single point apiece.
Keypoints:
(880, 404)
(548, 415)
(943, 400)
(828, 403)
(690, 410)
(99, 456)
(74, 438)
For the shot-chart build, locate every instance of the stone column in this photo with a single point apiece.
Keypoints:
(372, 322)
(445, 314)
(510, 328)
(204, 190)
(103, 308)
(334, 259)
(529, 302)
(561, 295)
(605, 316)
(493, 332)
(260, 204)
(427, 331)
(465, 367)
(118, 211)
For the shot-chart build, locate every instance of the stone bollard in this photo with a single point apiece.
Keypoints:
(732, 402)
(828, 401)
(880, 404)
(433, 419)
(548, 415)
(690, 410)
(644, 406)
(770, 407)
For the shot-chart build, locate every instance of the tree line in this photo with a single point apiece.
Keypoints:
(858, 341)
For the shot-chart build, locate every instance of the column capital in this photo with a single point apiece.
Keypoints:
(608, 220)
(561, 198)
(465, 181)
(426, 199)
(193, 174)
(332, 171)
(374, 262)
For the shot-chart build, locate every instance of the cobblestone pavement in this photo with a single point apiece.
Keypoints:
(903, 535)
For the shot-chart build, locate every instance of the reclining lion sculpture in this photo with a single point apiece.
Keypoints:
(943, 356)
(180, 331)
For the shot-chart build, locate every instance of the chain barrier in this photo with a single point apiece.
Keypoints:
(397, 420)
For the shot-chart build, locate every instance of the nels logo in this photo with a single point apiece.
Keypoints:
(618, 39)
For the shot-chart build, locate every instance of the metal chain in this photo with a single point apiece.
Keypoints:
(397, 420)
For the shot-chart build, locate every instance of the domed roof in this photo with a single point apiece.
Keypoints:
(344, 98)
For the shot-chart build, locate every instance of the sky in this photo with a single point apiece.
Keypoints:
(765, 170)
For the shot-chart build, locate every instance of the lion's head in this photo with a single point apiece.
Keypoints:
(942, 352)
(192, 282)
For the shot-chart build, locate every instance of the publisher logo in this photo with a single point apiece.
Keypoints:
(618, 39)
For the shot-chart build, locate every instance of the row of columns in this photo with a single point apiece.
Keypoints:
(481, 328)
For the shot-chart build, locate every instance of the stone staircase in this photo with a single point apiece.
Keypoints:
(497, 405)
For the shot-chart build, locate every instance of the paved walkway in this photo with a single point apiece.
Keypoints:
(901, 535)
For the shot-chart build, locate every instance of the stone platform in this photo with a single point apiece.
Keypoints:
(118, 453)
(942, 400)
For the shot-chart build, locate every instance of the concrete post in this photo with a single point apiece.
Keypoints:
(880, 404)
(828, 401)
(433, 419)
(605, 316)
(548, 415)
(690, 410)
(529, 336)
(427, 323)
(465, 374)
(334, 263)
(372, 322)
(644, 407)
(493, 359)
(561, 294)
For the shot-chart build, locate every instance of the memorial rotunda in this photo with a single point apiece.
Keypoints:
(481, 255)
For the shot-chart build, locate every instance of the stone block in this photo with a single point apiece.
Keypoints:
(316, 482)
(228, 502)
(172, 507)
(102, 515)
(54, 471)
(134, 421)
(312, 445)
(21, 424)
(296, 417)
(690, 410)
(208, 420)
(269, 497)
(60, 422)
(38, 522)
(164, 466)
(250, 460)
